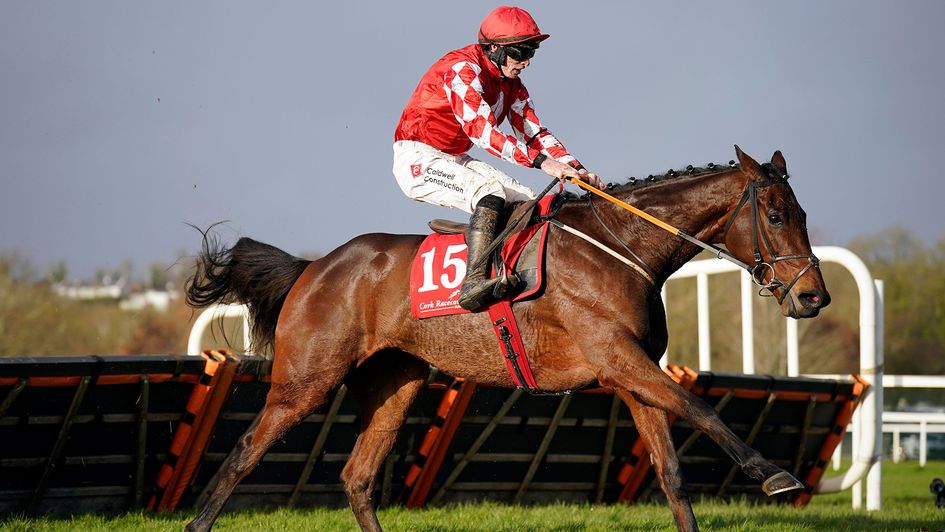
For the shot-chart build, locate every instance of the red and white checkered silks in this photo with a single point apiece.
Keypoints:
(460, 102)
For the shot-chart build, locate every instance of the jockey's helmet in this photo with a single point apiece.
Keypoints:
(509, 25)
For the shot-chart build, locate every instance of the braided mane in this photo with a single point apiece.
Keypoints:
(636, 183)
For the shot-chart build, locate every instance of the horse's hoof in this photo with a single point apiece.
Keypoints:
(780, 483)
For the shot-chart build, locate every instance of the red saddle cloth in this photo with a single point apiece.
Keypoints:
(439, 267)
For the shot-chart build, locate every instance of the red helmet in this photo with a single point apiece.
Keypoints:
(509, 25)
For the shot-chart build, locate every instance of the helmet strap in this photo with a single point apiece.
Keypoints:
(497, 56)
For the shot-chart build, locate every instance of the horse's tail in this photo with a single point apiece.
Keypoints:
(255, 274)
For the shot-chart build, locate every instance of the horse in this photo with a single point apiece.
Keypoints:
(346, 318)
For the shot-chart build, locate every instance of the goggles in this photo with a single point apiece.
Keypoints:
(520, 52)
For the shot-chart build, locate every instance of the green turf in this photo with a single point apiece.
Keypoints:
(907, 505)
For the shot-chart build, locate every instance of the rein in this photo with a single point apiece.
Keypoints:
(649, 273)
(758, 271)
(634, 266)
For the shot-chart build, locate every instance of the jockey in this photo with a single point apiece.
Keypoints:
(461, 101)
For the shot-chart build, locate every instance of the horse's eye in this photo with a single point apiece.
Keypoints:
(775, 219)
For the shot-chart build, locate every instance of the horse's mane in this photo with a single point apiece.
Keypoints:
(637, 183)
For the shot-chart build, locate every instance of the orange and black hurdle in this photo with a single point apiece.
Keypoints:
(193, 432)
(105, 434)
(83, 433)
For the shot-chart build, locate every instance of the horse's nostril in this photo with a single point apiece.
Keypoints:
(811, 300)
(815, 299)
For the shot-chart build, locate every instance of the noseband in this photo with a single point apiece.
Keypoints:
(759, 270)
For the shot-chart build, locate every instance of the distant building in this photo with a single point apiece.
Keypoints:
(87, 293)
(157, 299)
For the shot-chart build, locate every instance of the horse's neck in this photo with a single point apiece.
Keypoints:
(698, 206)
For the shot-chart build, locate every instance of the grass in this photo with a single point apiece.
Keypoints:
(907, 505)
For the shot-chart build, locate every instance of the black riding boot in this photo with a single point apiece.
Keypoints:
(477, 290)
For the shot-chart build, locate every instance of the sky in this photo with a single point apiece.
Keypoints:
(121, 122)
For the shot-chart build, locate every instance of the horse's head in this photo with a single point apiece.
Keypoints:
(767, 230)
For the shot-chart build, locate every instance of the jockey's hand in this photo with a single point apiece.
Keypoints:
(591, 179)
(563, 172)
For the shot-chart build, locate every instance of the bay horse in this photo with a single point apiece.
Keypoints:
(596, 321)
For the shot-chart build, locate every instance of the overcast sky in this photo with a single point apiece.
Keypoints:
(120, 121)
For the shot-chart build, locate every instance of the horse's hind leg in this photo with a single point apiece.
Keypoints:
(385, 386)
(286, 405)
(654, 429)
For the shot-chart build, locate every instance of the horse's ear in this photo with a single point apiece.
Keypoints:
(749, 165)
(778, 160)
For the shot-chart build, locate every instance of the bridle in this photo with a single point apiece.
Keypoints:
(760, 269)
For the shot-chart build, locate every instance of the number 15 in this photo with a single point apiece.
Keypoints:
(448, 261)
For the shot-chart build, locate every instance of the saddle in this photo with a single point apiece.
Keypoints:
(435, 276)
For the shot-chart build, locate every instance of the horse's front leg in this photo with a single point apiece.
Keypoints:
(653, 427)
(629, 370)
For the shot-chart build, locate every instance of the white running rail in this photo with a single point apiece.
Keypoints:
(921, 423)
(205, 319)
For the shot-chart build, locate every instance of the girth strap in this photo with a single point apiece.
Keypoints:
(510, 340)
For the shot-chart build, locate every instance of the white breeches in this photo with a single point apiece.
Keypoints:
(429, 175)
